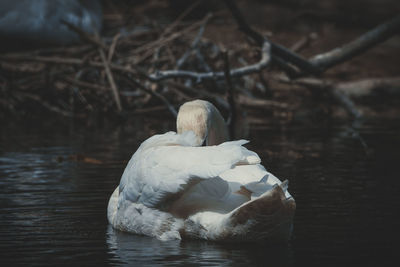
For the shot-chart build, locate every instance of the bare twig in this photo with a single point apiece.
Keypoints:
(113, 46)
(179, 18)
(161, 42)
(101, 47)
(80, 83)
(139, 85)
(260, 103)
(201, 93)
(159, 76)
(93, 39)
(347, 103)
(47, 105)
(193, 46)
(202, 61)
(52, 59)
(110, 79)
(140, 111)
(303, 42)
(73, 61)
(200, 76)
(300, 44)
(179, 92)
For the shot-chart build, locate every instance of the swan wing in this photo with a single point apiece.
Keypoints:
(254, 178)
(167, 164)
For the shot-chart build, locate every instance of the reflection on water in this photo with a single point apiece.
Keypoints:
(54, 211)
(143, 250)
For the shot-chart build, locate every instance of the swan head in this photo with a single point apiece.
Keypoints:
(204, 119)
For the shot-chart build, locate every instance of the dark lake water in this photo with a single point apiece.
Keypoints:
(55, 183)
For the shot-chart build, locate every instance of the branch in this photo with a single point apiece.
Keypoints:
(365, 87)
(202, 93)
(75, 61)
(113, 46)
(110, 78)
(149, 47)
(180, 18)
(193, 46)
(96, 40)
(276, 49)
(303, 42)
(92, 39)
(261, 103)
(359, 45)
(83, 84)
(356, 88)
(342, 98)
(46, 104)
(153, 93)
(322, 62)
(347, 103)
(200, 76)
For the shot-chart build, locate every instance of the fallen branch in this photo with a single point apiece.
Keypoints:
(342, 99)
(201, 76)
(321, 62)
(358, 46)
(357, 88)
(365, 87)
(339, 96)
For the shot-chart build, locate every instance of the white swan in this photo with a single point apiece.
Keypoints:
(173, 188)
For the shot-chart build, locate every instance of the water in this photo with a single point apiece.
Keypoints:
(53, 205)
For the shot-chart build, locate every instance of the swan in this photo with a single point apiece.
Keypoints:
(175, 188)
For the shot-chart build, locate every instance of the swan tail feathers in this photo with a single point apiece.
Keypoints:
(284, 185)
(269, 216)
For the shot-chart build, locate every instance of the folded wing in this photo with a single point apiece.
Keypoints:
(167, 166)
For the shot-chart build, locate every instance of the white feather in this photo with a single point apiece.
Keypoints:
(164, 164)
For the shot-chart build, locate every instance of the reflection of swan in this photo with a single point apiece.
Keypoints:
(173, 189)
(136, 250)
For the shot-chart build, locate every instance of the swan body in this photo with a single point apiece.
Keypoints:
(172, 189)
